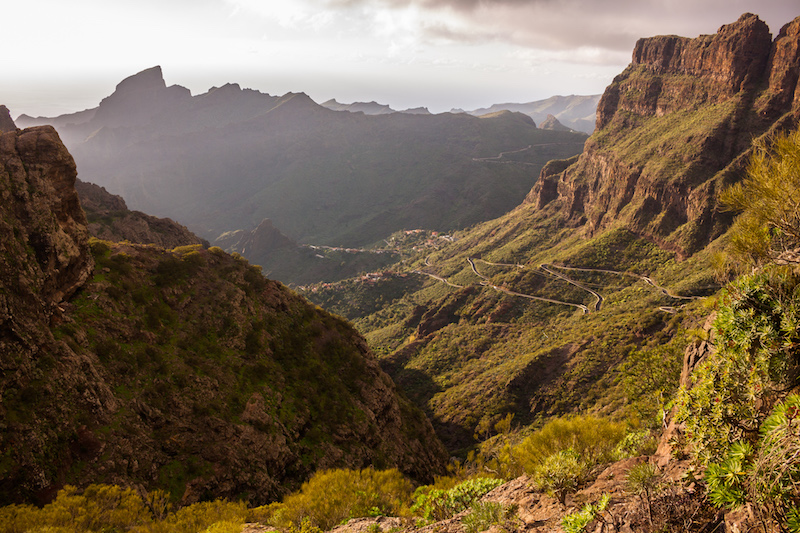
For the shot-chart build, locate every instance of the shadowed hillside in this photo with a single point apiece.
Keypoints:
(182, 369)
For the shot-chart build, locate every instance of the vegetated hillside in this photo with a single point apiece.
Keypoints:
(227, 159)
(185, 370)
(574, 111)
(110, 219)
(637, 211)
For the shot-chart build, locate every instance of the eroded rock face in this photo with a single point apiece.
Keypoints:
(43, 225)
(6, 122)
(675, 128)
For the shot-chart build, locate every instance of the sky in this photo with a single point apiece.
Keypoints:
(439, 54)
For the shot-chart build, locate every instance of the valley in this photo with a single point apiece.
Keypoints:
(580, 332)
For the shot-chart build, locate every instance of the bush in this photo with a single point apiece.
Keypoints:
(333, 496)
(592, 439)
(734, 389)
(576, 522)
(106, 508)
(560, 473)
(112, 509)
(642, 480)
(484, 515)
(768, 199)
(634, 444)
(432, 504)
(219, 516)
(650, 377)
(767, 474)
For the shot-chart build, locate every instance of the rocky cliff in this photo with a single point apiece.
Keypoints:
(674, 128)
(184, 370)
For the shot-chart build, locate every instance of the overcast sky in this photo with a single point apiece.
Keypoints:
(64, 56)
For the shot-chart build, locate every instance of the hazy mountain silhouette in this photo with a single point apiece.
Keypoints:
(575, 112)
(229, 158)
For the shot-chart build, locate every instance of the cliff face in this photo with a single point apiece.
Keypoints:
(43, 226)
(675, 128)
(184, 370)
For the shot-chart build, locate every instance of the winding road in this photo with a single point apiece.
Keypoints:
(549, 269)
(499, 158)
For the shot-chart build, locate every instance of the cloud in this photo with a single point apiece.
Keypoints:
(564, 25)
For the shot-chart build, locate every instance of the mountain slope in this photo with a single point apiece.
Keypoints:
(227, 159)
(535, 313)
(184, 370)
(110, 219)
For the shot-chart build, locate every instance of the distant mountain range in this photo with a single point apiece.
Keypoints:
(570, 112)
(227, 159)
(371, 108)
(575, 112)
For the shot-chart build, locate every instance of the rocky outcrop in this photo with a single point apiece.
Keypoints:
(111, 220)
(43, 226)
(261, 241)
(6, 122)
(675, 128)
(784, 69)
(185, 370)
(552, 123)
(724, 64)
(368, 108)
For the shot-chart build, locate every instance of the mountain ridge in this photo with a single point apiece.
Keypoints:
(183, 370)
(226, 160)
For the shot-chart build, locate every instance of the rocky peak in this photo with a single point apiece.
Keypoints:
(6, 122)
(675, 128)
(784, 68)
(552, 123)
(264, 239)
(735, 55)
(137, 98)
(146, 80)
(732, 60)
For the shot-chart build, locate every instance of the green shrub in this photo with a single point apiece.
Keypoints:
(634, 444)
(576, 522)
(219, 516)
(767, 197)
(650, 377)
(642, 480)
(765, 474)
(734, 389)
(484, 515)
(592, 439)
(333, 496)
(560, 473)
(432, 504)
(106, 508)
(113, 509)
